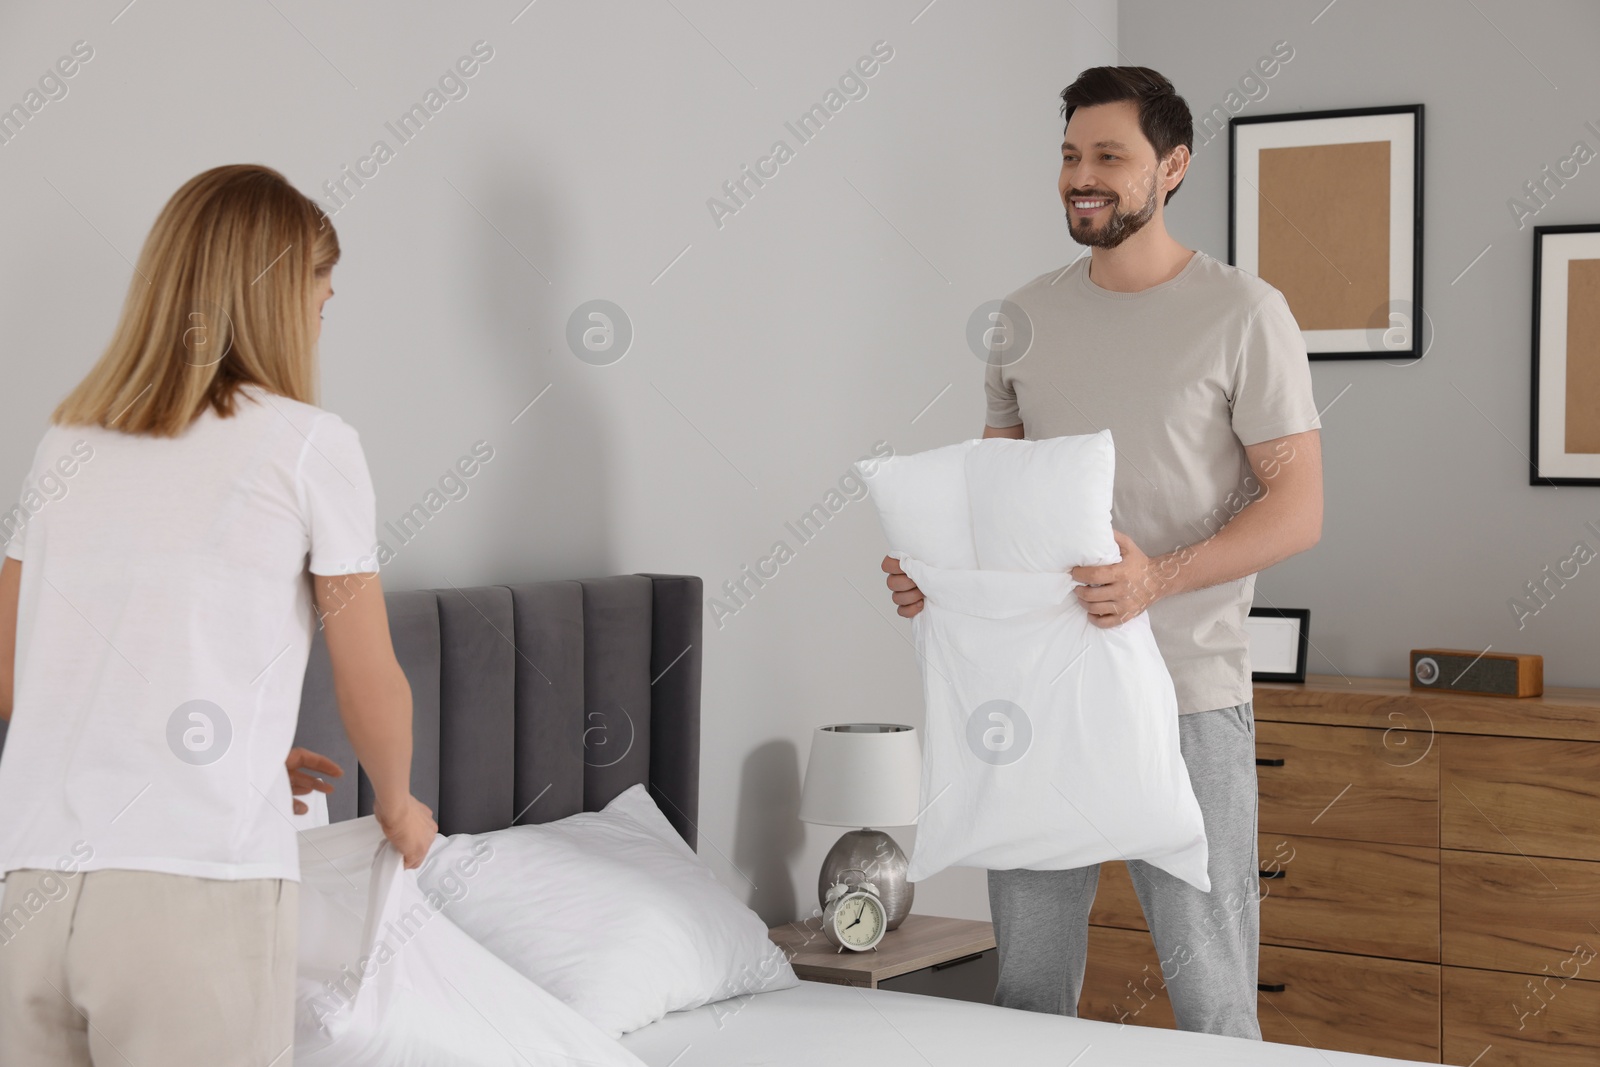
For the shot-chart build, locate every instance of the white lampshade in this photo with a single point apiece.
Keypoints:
(863, 774)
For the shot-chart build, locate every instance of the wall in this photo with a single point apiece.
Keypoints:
(771, 349)
(1431, 527)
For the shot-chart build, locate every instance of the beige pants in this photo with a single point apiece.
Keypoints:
(144, 969)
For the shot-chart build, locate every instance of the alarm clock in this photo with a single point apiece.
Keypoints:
(854, 918)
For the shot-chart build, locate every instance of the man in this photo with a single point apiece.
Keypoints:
(1200, 372)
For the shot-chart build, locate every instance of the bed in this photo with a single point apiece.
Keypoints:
(537, 701)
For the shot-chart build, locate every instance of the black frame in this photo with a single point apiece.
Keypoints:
(1418, 345)
(1534, 478)
(1299, 673)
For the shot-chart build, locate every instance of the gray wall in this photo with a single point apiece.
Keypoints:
(824, 316)
(1431, 527)
(770, 353)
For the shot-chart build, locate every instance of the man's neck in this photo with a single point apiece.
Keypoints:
(1144, 260)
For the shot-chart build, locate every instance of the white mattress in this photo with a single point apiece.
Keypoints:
(819, 1024)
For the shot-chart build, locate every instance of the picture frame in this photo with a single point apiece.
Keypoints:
(1565, 424)
(1326, 206)
(1277, 639)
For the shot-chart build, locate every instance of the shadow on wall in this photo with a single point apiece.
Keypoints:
(553, 517)
(769, 833)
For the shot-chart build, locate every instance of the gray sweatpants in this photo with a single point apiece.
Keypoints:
(1207, 942)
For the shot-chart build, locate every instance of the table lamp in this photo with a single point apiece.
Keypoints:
(864, 775)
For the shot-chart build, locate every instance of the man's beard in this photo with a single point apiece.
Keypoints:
(1121, 226)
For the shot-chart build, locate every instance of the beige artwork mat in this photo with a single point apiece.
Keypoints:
(1325, 232)
(1583, 356)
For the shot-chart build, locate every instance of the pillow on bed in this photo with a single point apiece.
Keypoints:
(384, 980)
(612, 912)
(1042, 505)
(922, 504)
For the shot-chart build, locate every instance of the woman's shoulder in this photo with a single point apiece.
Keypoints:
(304, 417)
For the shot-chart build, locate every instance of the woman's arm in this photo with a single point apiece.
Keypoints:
(10, 585)
(375, 704)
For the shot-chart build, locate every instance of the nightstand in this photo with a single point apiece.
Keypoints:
(929, 954)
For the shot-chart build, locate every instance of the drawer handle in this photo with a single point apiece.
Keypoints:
(957, 963)
(1274, 874)
(1268, 762)
(1270, 987)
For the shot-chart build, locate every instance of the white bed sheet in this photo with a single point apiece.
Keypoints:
(816, 1024)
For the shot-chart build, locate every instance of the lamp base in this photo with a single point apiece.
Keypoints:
(875, 853)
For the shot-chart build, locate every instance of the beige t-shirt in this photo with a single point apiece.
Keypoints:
(1184, 374)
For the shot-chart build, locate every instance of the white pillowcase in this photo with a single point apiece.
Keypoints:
(1041, 506)
(316, 811)
(612, 912)
(922, 504)
(384, 980)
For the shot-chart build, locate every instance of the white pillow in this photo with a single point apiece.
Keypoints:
(922, 504)
(1042, 505)
(612, 912)
(384, 980)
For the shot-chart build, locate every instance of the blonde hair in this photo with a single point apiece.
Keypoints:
(223, 296)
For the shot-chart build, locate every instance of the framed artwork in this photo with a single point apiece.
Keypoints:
(1566, 356)
(1326, 206)
(1277, 640)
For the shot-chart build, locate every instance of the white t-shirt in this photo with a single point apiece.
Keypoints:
(163, 628)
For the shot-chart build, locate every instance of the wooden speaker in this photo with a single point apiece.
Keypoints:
(1497, 674)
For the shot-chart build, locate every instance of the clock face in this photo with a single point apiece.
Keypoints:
(859, 920)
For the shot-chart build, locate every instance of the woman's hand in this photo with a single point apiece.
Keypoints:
(410, 829)
(300, 783)
(907, 597)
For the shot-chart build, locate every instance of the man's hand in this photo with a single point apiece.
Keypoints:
(907, 597)
(1113, 593)
(300, 783)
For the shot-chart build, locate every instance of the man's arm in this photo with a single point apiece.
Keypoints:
(10, 587)
(1284, 520)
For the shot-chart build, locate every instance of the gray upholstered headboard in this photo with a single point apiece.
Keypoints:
(534, 702)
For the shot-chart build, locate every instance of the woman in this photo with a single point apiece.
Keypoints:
(155, 620)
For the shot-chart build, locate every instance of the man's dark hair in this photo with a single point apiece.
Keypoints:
(1164, 117)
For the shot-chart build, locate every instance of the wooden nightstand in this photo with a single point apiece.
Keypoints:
(928, 954)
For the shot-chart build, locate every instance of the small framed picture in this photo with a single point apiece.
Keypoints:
(1566, 356)
(1277, 639)
(1326, 206)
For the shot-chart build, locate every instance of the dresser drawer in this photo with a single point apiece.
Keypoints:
(1330, 1000)
(1521, 795)
(1122, 980)
(1495, 1019)
(1516, 913)
(1116, 903)
(1354, 783)
(1350, 896)
(1322, 893)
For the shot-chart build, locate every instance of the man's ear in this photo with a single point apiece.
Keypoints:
(1175, 166)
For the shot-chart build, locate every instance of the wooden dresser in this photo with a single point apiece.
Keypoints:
(1430, 878)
